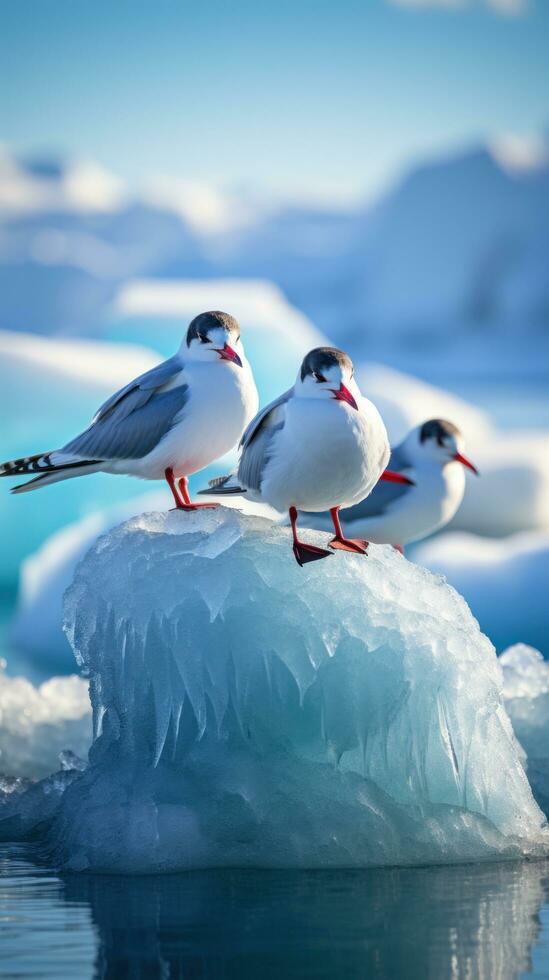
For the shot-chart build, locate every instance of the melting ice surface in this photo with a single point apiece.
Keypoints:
(251, 713)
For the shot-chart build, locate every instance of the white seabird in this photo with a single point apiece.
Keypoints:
(319, 446)
(166, 424)
(398, 514)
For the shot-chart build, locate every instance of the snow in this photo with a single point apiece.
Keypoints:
(38, 723)
(512, 493)
(526, 692)
(504, 582)
(49, 390)
(405, 402)
(249, 712)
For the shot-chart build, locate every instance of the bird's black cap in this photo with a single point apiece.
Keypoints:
(438, 429)
(321, 358)
(200, 327)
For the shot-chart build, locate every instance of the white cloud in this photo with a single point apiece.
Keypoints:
(66, 186)
(508, 8)
(519, 153)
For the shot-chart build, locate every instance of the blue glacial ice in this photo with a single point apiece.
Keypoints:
(249, 712)
(526, 692)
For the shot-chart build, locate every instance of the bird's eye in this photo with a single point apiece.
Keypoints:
(204, 340)
(319, 378)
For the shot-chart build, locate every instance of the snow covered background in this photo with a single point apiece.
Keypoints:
(439, 289)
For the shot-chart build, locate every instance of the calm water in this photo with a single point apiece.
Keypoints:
(487, 921)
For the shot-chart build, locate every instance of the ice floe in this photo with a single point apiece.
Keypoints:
(249, 712)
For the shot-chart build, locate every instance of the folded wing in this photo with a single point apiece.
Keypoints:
(256, 442)
(133, 421)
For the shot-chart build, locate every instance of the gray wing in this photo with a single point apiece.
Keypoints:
(257, 439)
(140, 388)
(384, 494)
(133, 421)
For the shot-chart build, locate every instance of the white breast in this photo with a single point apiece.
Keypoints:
(326, 455)
(222, 401)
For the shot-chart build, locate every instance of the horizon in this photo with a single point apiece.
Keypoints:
(208, 203)
(366, 92)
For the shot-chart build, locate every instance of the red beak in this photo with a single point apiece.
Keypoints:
(391, 477)
(228, 354)
(342, 394)
(465, 462)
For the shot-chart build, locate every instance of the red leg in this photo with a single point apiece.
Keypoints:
(340, 541)
(304, 552)
(187, 502)
(182, 499)
(399, 548)
(170, 480)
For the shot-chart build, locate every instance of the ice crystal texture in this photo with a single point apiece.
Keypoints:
(250, 712)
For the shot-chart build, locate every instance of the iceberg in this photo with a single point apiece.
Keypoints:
(504, 582)
(427, 262)
(526, 693)
(247, 712)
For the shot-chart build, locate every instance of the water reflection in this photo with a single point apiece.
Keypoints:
(438, 922)
(462, 922)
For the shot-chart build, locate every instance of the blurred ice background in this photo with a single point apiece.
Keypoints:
(389, 214)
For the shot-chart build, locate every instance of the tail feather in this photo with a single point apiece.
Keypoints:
(48, 471)
(39, 463)
(221, 486)
(55, 476)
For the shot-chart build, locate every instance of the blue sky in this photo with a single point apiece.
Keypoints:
(324, 97)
